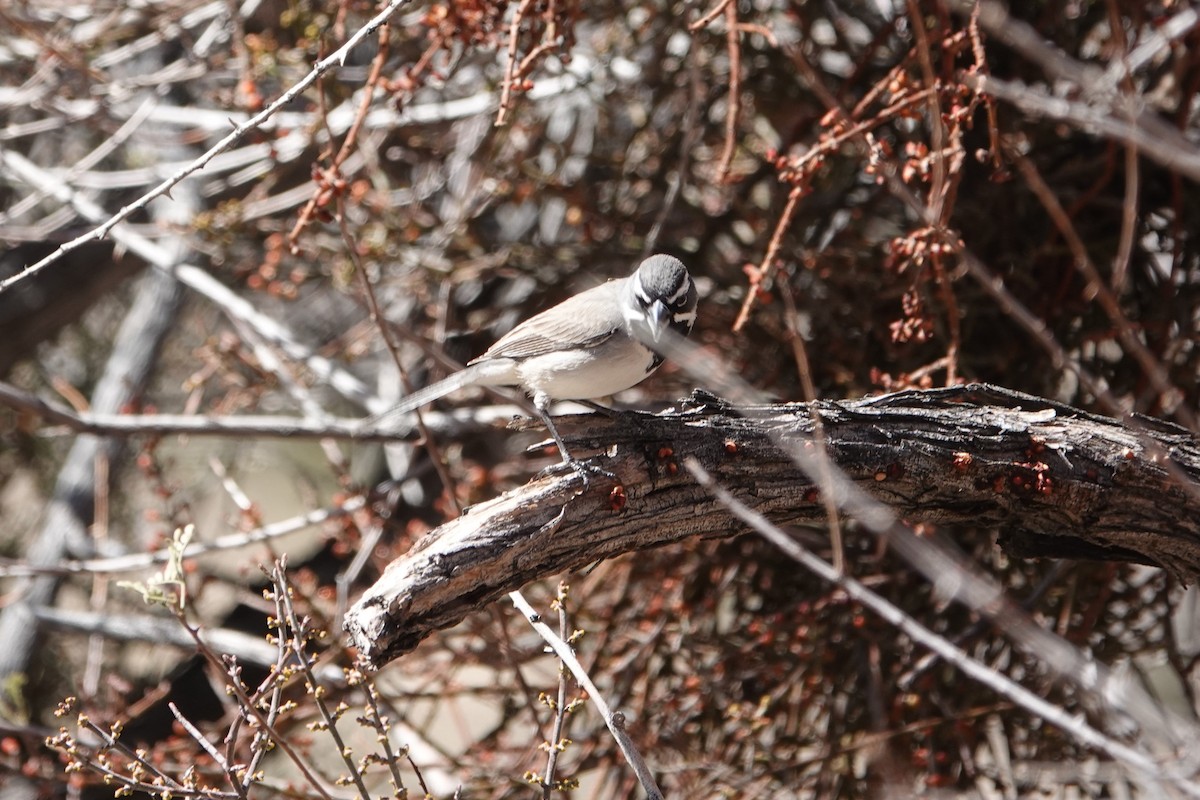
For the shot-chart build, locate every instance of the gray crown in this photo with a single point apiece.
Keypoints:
(662, 277)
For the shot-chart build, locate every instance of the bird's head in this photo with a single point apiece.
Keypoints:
(661, 295)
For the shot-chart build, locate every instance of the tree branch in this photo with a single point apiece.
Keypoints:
(1058, 481)
(455, 422)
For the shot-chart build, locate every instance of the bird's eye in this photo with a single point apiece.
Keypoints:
(679, 297)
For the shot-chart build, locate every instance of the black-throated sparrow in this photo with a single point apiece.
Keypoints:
(596, 343)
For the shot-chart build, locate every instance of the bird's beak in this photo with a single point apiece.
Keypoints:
(661, 315)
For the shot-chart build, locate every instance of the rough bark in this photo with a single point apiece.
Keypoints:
(1057, 482)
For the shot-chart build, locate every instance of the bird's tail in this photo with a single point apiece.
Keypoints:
(485, 373)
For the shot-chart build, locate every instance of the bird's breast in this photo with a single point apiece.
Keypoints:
(588, 374)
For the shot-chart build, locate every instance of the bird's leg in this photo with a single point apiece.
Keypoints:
(540, 404)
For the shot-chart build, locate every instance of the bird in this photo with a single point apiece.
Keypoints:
(591, 345)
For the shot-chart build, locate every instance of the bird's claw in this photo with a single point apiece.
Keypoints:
(584, 469)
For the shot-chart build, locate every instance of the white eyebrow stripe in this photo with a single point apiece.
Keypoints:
(682, 292)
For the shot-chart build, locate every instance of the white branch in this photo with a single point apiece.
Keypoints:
(614, 721)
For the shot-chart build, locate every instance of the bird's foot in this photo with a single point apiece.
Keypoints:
(584, 469)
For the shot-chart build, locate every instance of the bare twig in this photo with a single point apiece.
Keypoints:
(435, 454)
(1158, 141)
(205, 745)
(248, 705)
(330, 180)
(709, 16)
(555, 744)
(614, 720)
(457, 422)
(733, 101)
(759, 274)
(804, 369)
(510, 64)
(1129, 103)
(377, 720)
(299, 631)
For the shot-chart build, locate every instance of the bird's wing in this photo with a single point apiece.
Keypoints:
(581, 322)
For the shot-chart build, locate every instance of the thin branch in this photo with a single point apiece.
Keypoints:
(456, 422)
(798, 173)
(247, 704)
(759, 274)
(1158, 141)
(132, 562)
(554, 745)
(733, 102)
(709, 16)
(804, 370)
(380, 322)
(274, 683)
(249, 648)
(614, 720)
(1129, 103)
(330, 180)
(933, 113)
(207, 746)
(299, 630)
(510, 64)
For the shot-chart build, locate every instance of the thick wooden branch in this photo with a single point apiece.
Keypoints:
(1057, 481)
